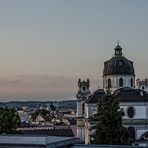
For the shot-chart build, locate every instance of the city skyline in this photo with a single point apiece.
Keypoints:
(45, 46)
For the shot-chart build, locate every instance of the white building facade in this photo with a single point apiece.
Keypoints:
(82, 95)
(119, 78)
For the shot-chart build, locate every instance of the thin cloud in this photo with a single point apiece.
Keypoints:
(36, 87)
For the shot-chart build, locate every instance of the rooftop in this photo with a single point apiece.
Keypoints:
(21, 141)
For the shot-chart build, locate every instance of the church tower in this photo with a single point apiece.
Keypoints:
(82, 95)
(118, 72)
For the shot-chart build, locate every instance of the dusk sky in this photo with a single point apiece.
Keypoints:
(46, 45)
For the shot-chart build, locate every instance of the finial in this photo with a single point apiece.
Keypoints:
(118, 50)
(118, 42)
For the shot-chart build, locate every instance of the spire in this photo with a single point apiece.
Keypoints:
(118, 50)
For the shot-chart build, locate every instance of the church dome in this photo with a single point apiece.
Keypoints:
(118, 64)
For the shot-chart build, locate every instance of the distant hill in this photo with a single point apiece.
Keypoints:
(67, 104)
(30, 104)
(35, 104)
(2, 104)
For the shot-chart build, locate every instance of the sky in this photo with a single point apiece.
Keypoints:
(46, 45)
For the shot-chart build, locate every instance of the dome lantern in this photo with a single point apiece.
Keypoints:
(118, 71)
(118, 50)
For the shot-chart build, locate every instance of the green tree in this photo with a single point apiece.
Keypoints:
(109, 128)
(9, 121)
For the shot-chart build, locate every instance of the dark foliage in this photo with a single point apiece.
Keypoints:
(109, 129)
(9, 121)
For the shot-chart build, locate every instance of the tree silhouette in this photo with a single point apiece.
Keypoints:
(9, 121)
(109, 128)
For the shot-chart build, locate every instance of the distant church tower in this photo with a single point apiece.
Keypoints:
(82, 95)
(118, 72)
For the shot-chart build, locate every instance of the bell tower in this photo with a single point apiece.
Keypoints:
(82, 95)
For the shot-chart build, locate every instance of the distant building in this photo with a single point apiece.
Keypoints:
(119, 77)
(24, 116)
(51, 108)
(43, 120)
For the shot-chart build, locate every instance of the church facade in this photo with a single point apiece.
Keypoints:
(119, 77)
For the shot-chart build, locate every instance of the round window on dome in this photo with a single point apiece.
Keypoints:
(120, 63)
(131, 112)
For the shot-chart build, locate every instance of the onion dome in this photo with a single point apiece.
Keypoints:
(118, 64)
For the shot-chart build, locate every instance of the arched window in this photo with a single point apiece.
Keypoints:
(132, 133)
(121, 82)
(131, 82)
(109, 83)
